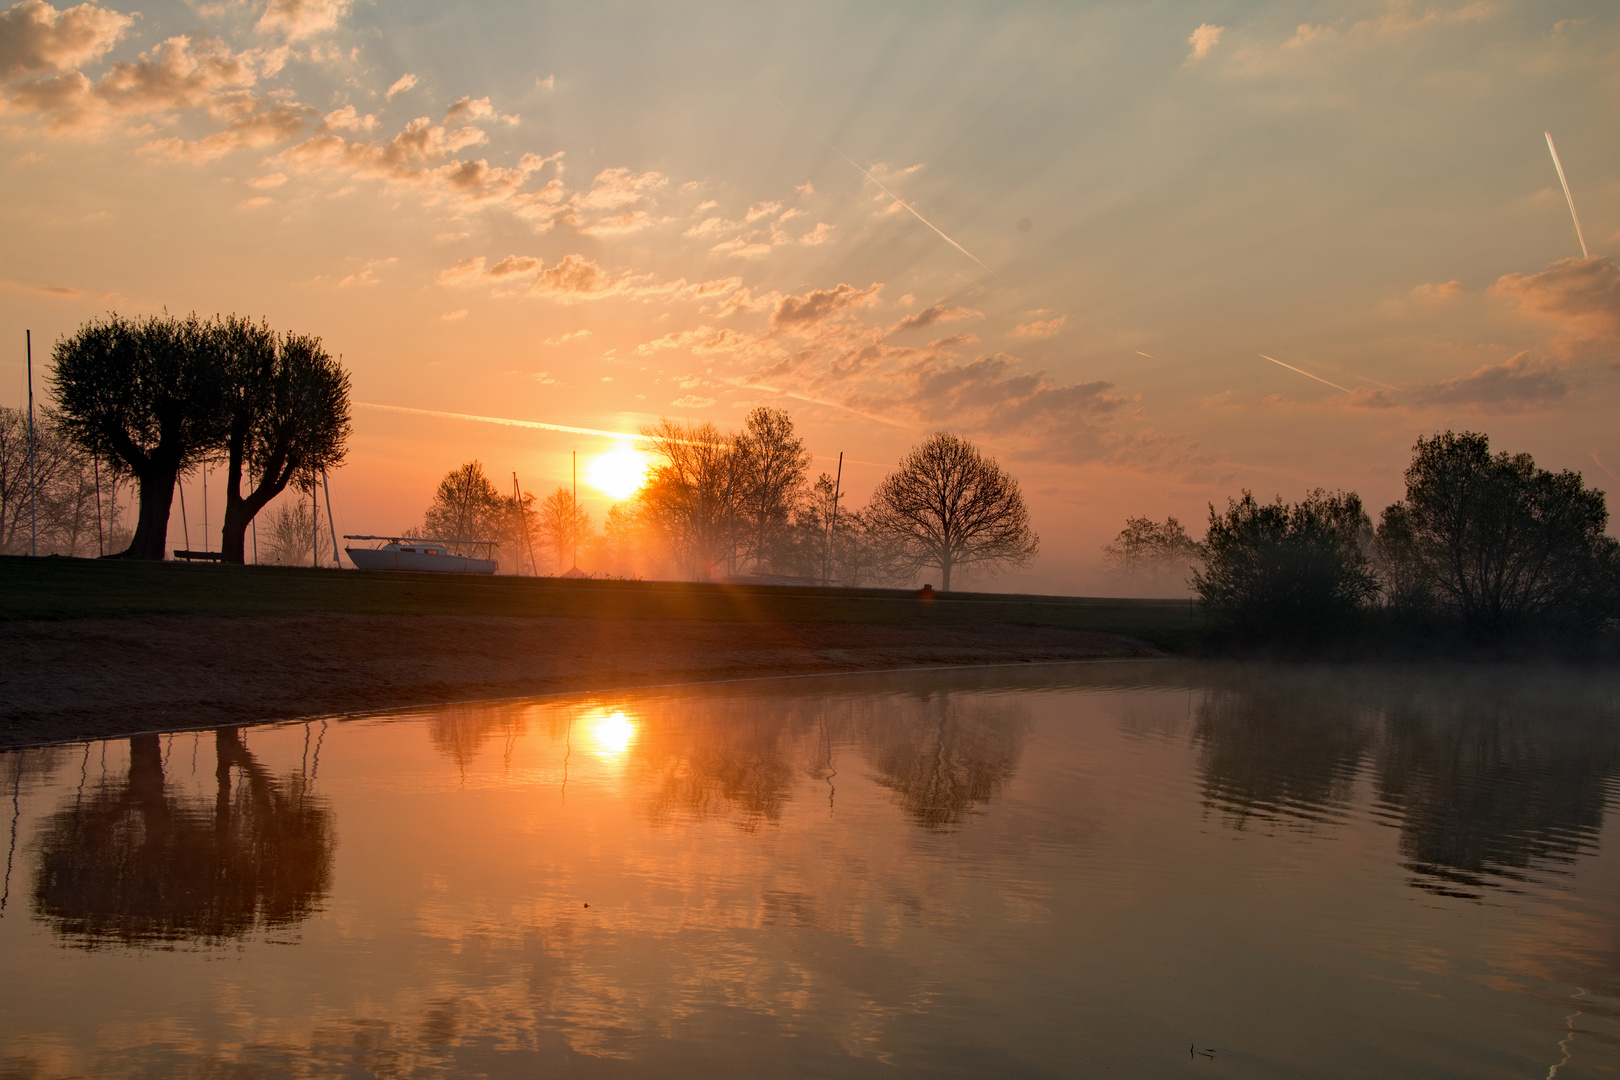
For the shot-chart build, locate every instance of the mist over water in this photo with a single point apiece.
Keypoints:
(1107, 869)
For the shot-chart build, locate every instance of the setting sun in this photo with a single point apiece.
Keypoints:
(619, 472)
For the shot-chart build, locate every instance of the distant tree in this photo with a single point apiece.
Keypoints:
(767, 481)
(948, 506)
(1289, 572)
(1496, 541)
(60, 505)
(287, 410)
(465, 507)
(564, 526)
(689, 500)
(1146, 553)
(290, 536)
(145, 397)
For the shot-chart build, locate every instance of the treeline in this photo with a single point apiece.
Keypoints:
(719, 505)
(148, 400)
(1484, 544)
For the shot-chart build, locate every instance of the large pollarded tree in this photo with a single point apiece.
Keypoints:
(948, 506)
(143, 395)
(287, 414)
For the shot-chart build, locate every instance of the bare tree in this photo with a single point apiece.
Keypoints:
(1157, 557)
(688, 501)
(466, 506)
(767, 481)
(290, 536)
(564, 525)
(145, 397)
(948, 506)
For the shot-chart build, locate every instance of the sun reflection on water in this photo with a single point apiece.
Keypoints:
(612, 735)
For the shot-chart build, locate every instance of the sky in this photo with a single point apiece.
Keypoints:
(1073, 233)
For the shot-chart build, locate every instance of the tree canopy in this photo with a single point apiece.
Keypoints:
(948, 506)
(1287, 572)
(146, 397)
(1496, 541)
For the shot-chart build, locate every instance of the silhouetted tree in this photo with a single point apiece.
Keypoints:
(689, 500)
(465, 506)
(1287, 572)
(1496, 541)
(767, 480)
(948, 506)
(287, 404)
(144, 396)
(1148, 553)
(564, 526)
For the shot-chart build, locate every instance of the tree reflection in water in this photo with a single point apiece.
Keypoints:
(129, 862)
(1486, 779)
(944, 755)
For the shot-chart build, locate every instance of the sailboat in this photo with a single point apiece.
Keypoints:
(421, 555)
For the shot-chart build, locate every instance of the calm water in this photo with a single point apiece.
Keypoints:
(1057, 871)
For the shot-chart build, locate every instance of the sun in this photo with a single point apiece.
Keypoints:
(618, 473)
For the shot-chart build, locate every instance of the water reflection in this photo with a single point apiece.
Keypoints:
(1016, 872)
(131, 862)
(1487, 775)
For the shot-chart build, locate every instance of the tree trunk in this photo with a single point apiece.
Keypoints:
(152, 527)
(945, 575)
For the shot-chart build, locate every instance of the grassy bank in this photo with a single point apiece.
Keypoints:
(81, 588)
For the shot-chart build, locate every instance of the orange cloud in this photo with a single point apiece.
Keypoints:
(34, 36)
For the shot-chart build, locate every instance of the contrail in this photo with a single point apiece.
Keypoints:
(867, 173)
(1559, 165)
(1149, 355)
(1604, 467)
(503, 421)
(1307, 374)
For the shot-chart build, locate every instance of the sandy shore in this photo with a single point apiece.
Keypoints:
(100, 678)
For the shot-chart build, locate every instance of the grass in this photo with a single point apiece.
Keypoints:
(84, 588)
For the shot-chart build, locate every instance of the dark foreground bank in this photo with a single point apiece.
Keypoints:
(96, 650)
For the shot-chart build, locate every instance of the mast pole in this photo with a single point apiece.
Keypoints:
(329, 523)
(832, 532)
(33, 493)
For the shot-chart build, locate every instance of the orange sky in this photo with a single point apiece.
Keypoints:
(1068, 233)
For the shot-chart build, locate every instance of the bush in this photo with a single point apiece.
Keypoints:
(1287, 573)
(1496, 542)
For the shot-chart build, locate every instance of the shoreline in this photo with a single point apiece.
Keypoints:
(85, 679)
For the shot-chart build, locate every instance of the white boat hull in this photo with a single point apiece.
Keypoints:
(392, 558)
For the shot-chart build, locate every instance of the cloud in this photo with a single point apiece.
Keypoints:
(452, 316)
(1035, 331)
(367, 275)
(942, 312)
(1580, 296)
(817, 236)
(574, 277)
(469, 109)
(1203, 39)
(348, 118)
(298, 19)
(562, 338)
(401, 85)
(417, 155)
(176, 74)
(275, 124)
(692, 401)
(800, 313)
(614, 189)
(704, 341)
(618, 224)
(63, 292)
(1520, 384)
(761, 209)
(34, 36)
(270, 181)
(548, 83)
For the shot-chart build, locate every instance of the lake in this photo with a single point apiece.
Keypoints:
(1119, 869)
